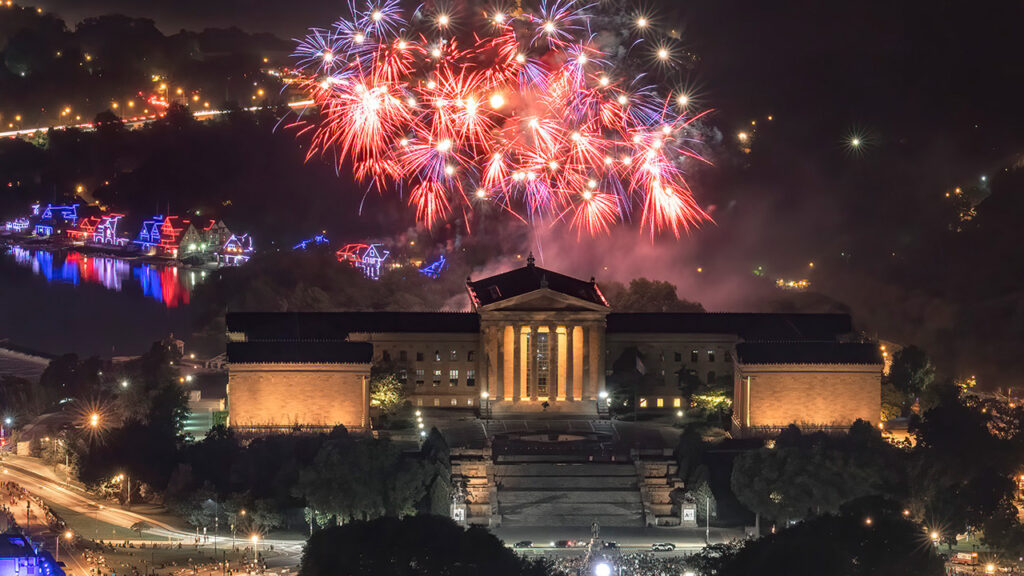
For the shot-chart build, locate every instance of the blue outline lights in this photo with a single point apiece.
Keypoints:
(318, 240)
(434, 269)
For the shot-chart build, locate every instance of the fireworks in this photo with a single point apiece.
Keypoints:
(525, 114)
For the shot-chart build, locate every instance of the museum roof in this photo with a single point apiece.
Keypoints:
(528, 279)
(808, 353)
(321, 352)
(338, 325)
(749, 326)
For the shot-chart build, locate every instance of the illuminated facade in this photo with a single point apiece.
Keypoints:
(539, 341)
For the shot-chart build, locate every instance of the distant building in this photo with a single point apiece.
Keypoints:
(54, 220)
(237, 250)
(107, 231)
(18, 556)
(539, 341)
(85, 229)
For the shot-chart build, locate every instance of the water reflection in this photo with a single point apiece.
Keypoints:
(167, 284)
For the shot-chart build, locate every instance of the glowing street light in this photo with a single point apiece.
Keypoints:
(255, 547)
(602, 569)
(94, 420)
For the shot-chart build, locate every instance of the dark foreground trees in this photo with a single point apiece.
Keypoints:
(411, 546)
(859, 542)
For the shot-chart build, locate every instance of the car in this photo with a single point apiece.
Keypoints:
(562, 544)
(523, 544)
(663, 547)
(611, 544)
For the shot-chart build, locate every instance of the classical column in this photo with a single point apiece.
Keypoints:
(578, 353)
(524, 363)
(508, 370)
(491, 344)
(560, 362)
(594, 357)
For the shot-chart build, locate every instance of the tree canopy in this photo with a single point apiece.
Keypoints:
(412, 546)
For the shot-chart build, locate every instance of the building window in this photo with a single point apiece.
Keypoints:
(543, 356)
(469, 402)
(419, 401)
(661, 402)
(437, 355)
(711, 355)
(643, 402)
(677, 402)
(678, 356)
(471, 377)
(728, 356)
(437, 401)
(453, 377)
(469, 356)
(437, 378)
(711, 377)
(403, 355)
(455, 401)
(694, 356)
(385, 356)
(419, 376)
(403, 376)
(419, 356)
(454, 355)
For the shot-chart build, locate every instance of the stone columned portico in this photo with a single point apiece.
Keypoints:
(542, 337)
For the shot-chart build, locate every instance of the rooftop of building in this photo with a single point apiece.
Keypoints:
(746, 325)
(528, 279)
(15, 546)
(338, 325)
(853, 353)
(317, 352)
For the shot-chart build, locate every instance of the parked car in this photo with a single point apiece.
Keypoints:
(663, 547)
(523, 544)
(611, 544)
(562, 544)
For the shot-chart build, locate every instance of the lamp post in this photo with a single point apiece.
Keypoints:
(255, 547)
(485, 396)
(67, 536)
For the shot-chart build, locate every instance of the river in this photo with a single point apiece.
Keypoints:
(61, 301)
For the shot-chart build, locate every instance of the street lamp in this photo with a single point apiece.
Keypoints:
(602, 569)
(255, 546)
(94, 420)
(67, 536)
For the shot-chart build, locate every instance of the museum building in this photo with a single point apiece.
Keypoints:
(540, 341)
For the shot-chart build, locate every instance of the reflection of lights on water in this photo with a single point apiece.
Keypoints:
(160, 283)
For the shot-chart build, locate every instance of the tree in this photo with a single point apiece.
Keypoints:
(846, 544)
(361, 479)
(911, 371)
(645, 295)
(959, 471)
(387, 393)
(412, 546)
(809, 475)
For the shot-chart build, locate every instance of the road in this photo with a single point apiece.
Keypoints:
(41, 481)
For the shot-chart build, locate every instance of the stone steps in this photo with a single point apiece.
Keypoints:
(538, 469)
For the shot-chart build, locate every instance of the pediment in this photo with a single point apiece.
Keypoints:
(542, 300)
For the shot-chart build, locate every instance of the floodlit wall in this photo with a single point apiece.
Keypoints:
(285, 395)
(768, 397)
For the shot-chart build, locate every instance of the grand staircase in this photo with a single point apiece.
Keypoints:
(566, 490)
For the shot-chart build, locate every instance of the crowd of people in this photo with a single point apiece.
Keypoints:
(625, 564)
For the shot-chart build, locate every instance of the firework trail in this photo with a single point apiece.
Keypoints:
(523, 113)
